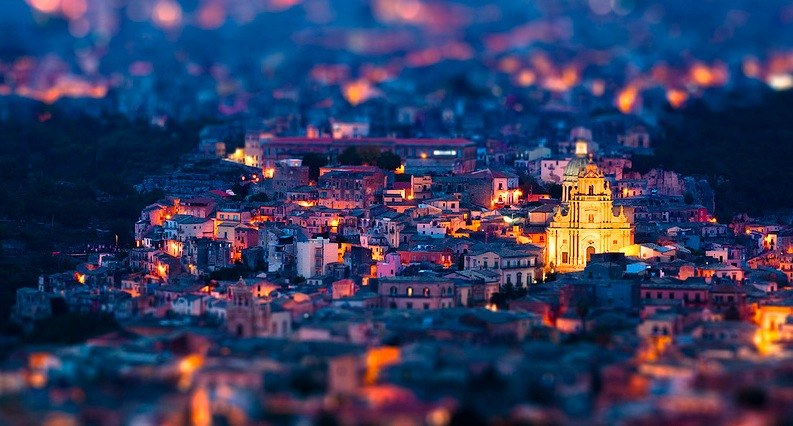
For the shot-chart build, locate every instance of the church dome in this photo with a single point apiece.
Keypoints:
(575, 167)
(578, 163)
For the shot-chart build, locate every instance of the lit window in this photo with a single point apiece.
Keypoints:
(410, 292)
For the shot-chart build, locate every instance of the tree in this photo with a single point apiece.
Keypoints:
(240, 191)
(389, 161)
(314, 161)
(261, 196)
(528, 184)
(555, 190)
(369, 155)
(350, 157)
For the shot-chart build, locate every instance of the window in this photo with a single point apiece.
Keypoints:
(426, 306)
(410, 291)
(565, 257)
(409, 305)
(393, 291)
(426, 292)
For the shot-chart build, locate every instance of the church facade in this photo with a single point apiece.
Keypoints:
(586, 223)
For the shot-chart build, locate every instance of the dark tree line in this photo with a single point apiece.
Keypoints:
(64, 178)
(744, 152)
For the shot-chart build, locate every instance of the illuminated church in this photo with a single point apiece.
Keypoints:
(585, 224)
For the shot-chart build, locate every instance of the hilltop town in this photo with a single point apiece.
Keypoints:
(388, 278)
(396, 212)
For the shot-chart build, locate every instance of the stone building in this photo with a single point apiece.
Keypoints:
(586, 224)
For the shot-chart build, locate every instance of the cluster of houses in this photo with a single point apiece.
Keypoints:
(423, 295)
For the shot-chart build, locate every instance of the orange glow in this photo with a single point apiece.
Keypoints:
(268, 173)
(45, 6)
(570, 76)
(652, 349)
(187, 366)
(37, 379)
(200, 414)
(162, 270)
(334, 223)
(379, 358)
(38, 360)
(705, 76)
(701, 75)
(358, 91)
(627, 98)
(423, 155)
(763, 341)
(65, 86)
(79, 277)
(676, 97)
(438, 417)
(167, 14)
(526, 78)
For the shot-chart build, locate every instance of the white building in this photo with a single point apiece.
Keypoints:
(552, 171)
(352, 129)
(313, 255)
(190, 304)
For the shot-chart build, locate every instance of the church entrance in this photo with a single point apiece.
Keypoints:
(589, 252)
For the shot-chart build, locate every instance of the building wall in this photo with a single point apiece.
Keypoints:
(416, 294)
(588, 227)
(313, 255)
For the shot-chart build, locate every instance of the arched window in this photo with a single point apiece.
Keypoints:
(591, 190)
(426, 292)
(410, 291)
(393, 291)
